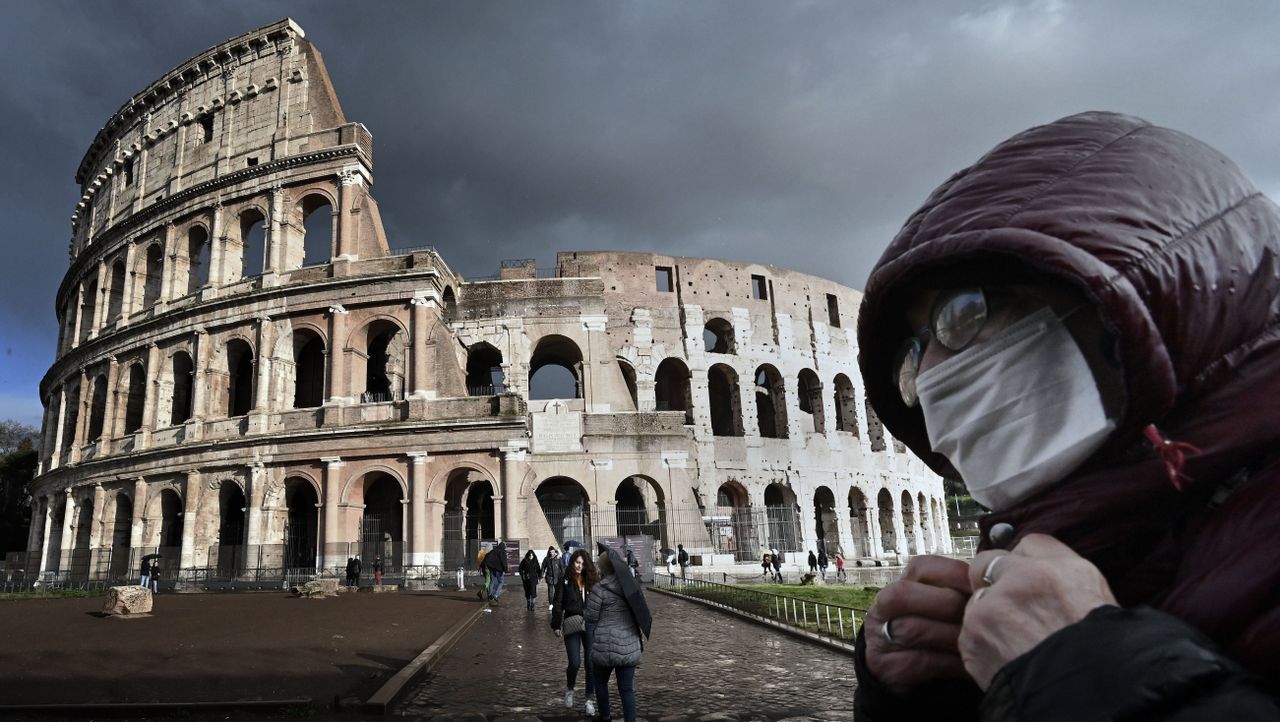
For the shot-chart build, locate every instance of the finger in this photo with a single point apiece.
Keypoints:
(939, 572)
(919, 633)
(903, 670)
(907, 598)
(1042, 546)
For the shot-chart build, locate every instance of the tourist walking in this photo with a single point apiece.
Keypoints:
(483, 592)
(822, 563)
(496, 562)
(377, 570)
(632, 562)
(1082, 328)
(766, 564)
(813, 563)
(579, 578)
(777, 566)
(840, 575)
(530, 572)
(552, 570)
(351, 571)
(617, 643)
(356, 568)
(682, 558)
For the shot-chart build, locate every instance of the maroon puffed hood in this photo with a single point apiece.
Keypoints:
(1177, 251)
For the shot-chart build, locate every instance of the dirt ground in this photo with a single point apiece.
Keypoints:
(218, 647)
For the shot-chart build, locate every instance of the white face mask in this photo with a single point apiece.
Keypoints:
(1016, 413)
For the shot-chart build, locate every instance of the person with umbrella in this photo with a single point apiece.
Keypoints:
(145, 569)
(618, 612)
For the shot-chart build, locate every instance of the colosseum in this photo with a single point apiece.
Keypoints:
(251, 382)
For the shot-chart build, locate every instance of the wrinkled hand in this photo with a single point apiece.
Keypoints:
(557, 632)
(1036, 589)
(925, 608)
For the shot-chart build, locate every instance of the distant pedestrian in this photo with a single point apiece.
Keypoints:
(682, 558)
(530, 572)
(822, 563)
(483, 592)
(777, 566)
(552, 570)
(616, 644)
(462, 576)
(496, 562)
(813, 563)
(566, 619)
(351, 571)
(840, 574)
(356, 568)
(145, 572)
(632, 562)
(377, 570)
(766, 564)
(155, 575)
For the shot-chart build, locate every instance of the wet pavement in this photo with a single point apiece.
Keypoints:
(700, 665)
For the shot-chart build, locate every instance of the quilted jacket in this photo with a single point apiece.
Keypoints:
(617, 639)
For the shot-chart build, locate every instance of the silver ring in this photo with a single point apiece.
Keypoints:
(888, 635)
(991, 567)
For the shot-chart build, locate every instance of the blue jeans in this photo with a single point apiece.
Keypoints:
(626, 690)
(496, 580)
(577, 646)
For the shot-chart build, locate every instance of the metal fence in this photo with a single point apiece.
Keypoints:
(832, 621)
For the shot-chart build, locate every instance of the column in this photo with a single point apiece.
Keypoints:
(875, 545)
(333, 554)
(79, 311)
(149, 402)
(275, 233)
(337, 355)
(68, 515)
(99, 300)
(499, 516)
(130, 283)
(899, 529)
(262, 376)
(419, 307)
(808, 523)
(109, 420)
(48, 528)
(512, 466)
(418, 512)
(199, 377)
(170, 264)
(190, 505)
(36, 533)
(55, 458)
(217, 247)
(139, 514)
(95, 531)
(350, 184)
(257, 484)
(82, 416)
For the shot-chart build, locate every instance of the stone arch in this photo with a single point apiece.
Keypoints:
(148, 275)
(567, 507)
(196, 256)
(875, 429)
(119, 540)
(484, 370)
(470, 514)
(250, 246)
(783, 516)
(927, 540)
(438, 486)
(888, 532)
(640, 507)
(813, 416)
(859, 522)
(449, 302)
(734, 510)
(826, 527)
(909, 523)
(347, 494)
(301, 521)
(718, 336)
(71, 415)
(725, 400)
(135, 394)
(551, 352)
(629, 378)
(97, 408)
(382, 519)
(88, 306)
(319, 230)
(227, 553)
(846, 405)
(771, 402)
(303, 366)
(182, 378)
(671, 389)
(380, 368)
(238, 361)
(115, 291)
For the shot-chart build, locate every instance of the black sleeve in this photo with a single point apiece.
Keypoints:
(1128, 664)
(557, 605)
(953, 700)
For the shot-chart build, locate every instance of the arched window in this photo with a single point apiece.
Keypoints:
(317, 224)
(771, 403)
(197, 258)
(153, 271)
(253, 232)
(629, 378)
(239, 397)
(450, 303)
(671, 388)
(183, 371)
(115, 297)
(875, 429)
(846, 406)
(71, 417)
(717, 337)
(726, 405)
(308, 369)
(98, 408)
(385, 364)
(88, 303)
(484, 370)
(555, 369)
(813, 415)
(135, 399)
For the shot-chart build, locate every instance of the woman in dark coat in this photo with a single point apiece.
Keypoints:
(1114, 287)
(570, 598)
(616, 645)
(552, 570)
(529, 573)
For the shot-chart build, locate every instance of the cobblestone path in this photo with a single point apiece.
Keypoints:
(700, 664)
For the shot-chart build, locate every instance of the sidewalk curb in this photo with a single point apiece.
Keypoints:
(423, 663)
(763, 621)
(115, 708)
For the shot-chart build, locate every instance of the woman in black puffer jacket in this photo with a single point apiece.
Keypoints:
(616, 646)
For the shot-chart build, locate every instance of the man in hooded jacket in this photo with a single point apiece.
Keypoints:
(1084, 327)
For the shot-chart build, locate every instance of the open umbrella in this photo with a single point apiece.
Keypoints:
(149, 557)
(630, 592)
(667, 552)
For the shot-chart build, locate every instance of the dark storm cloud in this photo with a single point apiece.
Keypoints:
(799, 134)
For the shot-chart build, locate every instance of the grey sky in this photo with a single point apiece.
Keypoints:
(799, 134)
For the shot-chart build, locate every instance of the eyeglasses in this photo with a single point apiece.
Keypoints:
(954, 321)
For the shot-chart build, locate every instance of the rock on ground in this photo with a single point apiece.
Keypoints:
(127, 600)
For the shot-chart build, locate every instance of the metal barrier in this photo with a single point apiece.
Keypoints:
(832, 621)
